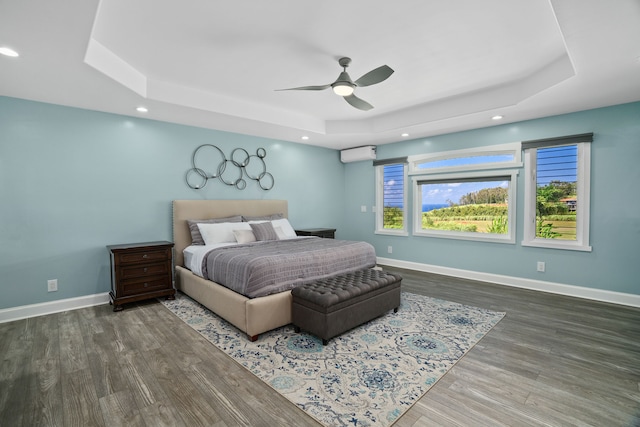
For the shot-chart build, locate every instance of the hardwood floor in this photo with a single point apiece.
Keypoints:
(552, 361)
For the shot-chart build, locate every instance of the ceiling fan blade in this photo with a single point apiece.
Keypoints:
(378, 75)
(358, 103)
(323, 87)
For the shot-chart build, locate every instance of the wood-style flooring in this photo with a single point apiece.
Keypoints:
(552, 361)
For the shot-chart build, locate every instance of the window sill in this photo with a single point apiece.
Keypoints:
(565, 246)
(392, 232)
(478, 237)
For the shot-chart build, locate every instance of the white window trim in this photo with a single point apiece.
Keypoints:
(582, 215)
(513, 148)
(509, 238)
(380, 204)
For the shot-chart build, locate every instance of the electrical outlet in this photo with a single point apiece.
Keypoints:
(363, 208)
(541, 266)
(52, 285)
(390, 249)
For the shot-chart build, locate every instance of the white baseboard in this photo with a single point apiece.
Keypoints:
(33, 310)
(602, 295)
(633, 300)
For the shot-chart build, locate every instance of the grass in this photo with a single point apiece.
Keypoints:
(567, 229)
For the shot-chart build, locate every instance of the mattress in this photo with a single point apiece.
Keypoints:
(194, 254)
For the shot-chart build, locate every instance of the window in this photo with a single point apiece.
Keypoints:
(489, 157)
(471, 206)
(557, 186)
(466, 194)
(391, 196)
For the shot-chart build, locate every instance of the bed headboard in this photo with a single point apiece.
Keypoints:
(206, 209)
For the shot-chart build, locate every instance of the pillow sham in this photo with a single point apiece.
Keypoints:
(263, 217)
(263, 231)
(222, 232)
(244, 236)
(286, 227)
(196, 237)
(280, 233)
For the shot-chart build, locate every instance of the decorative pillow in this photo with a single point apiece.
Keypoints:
(196, 237)
(263, 231)
(244, 236)
(262, 218)
(222, 232)
(286, 227)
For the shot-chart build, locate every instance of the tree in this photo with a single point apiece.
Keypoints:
(549, 197)
(485, 196)
(557, 190)
(392, 217)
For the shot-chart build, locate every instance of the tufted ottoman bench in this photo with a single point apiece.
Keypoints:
(329, 307)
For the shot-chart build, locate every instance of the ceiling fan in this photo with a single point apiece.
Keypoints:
(344, 86)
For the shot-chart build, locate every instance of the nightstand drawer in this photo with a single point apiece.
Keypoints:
(154, 269)
(138, 286)
(146, 256)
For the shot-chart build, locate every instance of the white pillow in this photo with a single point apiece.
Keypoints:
(244, 236)
(221, 232)
(280, 233)
(286, 227)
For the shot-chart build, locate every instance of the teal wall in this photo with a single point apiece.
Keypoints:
(614, 263)
(73, 181)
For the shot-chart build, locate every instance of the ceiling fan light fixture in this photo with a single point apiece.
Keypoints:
(7, 51)
(342, 88)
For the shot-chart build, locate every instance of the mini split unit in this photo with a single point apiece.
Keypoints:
(357, 154)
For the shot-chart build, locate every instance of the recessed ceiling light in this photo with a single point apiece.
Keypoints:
(142, 109)
(497, 117)
(8, 52)
(305, 137)
(404, 135)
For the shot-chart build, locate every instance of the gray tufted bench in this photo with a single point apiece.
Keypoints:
(331, 306)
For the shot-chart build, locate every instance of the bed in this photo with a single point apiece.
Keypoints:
(253, 316)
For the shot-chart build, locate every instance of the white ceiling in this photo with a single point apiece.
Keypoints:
(218, 64)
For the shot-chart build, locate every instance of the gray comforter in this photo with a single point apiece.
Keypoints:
(262, 268)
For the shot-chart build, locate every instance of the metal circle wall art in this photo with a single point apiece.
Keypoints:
(230, 171)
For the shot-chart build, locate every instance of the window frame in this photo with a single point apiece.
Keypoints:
(509, 238)
(513, 148)
(583, 190)
(379, 218)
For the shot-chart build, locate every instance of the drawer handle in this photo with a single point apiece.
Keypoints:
(145, 269)
(146, 285)
(145, 256)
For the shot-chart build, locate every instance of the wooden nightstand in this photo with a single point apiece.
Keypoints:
(327, 233)
(140, 271)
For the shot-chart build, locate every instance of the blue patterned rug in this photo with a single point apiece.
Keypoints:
(368, 376)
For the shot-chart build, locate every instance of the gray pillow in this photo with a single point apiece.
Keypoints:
(264, 231)
(196, 237)
(263, 217)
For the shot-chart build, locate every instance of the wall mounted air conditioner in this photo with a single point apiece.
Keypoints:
(359, 153)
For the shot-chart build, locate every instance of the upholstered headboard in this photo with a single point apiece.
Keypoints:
(206, 209)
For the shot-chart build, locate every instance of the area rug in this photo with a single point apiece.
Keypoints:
(368, 376)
